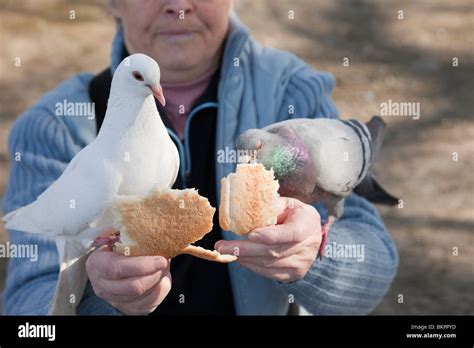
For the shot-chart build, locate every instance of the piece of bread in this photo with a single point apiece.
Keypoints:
(248, 199)
(165, 223)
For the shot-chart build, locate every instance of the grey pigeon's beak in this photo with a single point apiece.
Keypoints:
(158, 93)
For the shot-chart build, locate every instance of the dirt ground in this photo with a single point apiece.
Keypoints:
(405, 60)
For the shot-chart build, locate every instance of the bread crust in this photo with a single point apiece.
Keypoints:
(210, 255)
(164, 223)
(224, 213)
(248, 199)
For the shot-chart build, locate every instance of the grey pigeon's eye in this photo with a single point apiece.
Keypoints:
(137, 76)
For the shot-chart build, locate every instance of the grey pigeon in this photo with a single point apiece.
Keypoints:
(320, 160)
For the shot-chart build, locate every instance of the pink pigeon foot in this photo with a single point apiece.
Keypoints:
(109, 240)
(325, 231)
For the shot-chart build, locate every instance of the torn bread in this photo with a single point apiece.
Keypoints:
(248, 199)
(165, 223)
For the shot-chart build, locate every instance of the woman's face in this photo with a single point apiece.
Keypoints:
(184, 36)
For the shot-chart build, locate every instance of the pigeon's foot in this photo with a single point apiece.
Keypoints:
(108, 240)
(325, 231)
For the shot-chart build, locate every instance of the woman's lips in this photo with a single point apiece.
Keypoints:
(176, 36)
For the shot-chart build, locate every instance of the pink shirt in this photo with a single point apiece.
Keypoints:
(180, 98)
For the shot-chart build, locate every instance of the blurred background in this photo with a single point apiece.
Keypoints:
(405, 60)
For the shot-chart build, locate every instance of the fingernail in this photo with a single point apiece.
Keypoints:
(253, 235)
(224, 250)
(160, 263)
(218, 245)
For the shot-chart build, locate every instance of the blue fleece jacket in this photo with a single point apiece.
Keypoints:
(266, 86)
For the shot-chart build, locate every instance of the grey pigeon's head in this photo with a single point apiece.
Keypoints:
(280, 148)
(273, 150)
(138, 75)
(256, 144)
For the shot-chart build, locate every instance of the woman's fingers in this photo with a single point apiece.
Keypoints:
(280, 274)
(147, 303)
(246, 248)
(113, 266)
(293, 261)
(133, 285)
(131, 288)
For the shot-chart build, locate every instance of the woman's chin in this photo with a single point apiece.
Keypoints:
(178, 57)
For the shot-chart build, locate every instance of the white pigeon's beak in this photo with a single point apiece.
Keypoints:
(158, 93)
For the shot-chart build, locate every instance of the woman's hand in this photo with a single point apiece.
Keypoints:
(284, 252)
(135, 285)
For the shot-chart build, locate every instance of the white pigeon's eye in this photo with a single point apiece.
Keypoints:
(137, 76)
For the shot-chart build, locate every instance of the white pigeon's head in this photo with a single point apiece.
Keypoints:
(139, 75)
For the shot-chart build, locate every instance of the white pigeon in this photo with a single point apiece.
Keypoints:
(132, 155)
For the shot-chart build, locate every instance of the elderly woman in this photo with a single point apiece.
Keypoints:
(218, 82)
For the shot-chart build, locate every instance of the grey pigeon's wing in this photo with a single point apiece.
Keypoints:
(374, 192)
(340, 151)
(376, 127)
(369, 187)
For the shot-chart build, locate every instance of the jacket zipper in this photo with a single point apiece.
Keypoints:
(184, 149)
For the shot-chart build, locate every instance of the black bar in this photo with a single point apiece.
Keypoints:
(259, 330)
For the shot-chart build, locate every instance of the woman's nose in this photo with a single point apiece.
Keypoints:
(178, 8)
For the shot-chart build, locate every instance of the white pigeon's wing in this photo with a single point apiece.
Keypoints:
(174, 163)
(339, 155)
(73, 201)
(161, 173)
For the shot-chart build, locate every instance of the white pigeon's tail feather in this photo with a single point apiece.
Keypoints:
(72, 276)
(10, 215)
(16, 220)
